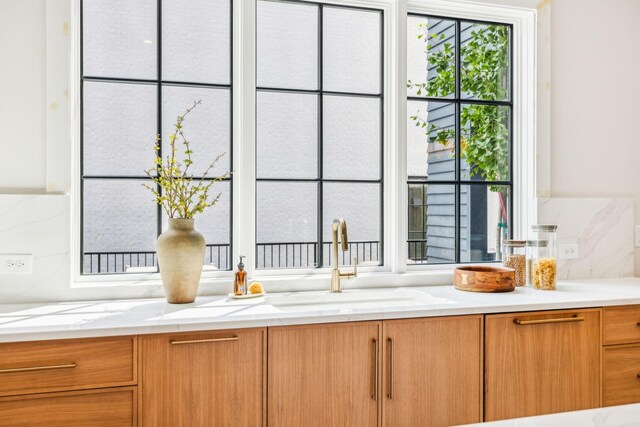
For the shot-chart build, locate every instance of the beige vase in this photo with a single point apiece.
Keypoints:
(180, 256)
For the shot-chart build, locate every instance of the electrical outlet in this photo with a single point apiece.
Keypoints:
(569, 251)
(16, 264)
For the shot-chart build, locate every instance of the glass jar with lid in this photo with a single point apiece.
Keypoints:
(549, 233)
(514, 256)
(541, 266)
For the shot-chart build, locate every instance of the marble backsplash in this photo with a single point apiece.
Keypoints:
(603, 229)
(38, 225)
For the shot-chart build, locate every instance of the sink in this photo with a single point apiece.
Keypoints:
(352, 299)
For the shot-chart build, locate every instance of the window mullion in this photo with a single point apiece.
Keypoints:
(458, 161)
(244, 133)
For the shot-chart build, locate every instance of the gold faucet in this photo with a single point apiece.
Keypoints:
(340, 225)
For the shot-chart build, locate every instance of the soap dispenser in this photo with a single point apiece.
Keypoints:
(240, 282)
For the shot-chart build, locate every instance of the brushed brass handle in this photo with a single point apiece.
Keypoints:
(38, 368)
(233, 338)
(391, 362)
(574, 318)
(374, 395)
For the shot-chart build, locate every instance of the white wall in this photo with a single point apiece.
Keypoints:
(22, 96)
(595, 61)
(595, 114)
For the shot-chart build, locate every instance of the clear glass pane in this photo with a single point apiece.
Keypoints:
(207, 127)
(351, 50)
(196, 45)
(287, 224)
(287, 45)
(432, 224)
(431, 50)
(431, 140)
(119, 38)
(359, 205)
(352, 140)
(214, 224)
(484, 142)
(484, 220)
(119, 226)
(484, 61)
(119, 125)
(287, 135)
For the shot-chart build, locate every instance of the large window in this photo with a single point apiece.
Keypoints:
(306, 99)
(319, 133)
(143, 63)
(459, 139)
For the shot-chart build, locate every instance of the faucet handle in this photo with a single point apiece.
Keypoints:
(355, 268)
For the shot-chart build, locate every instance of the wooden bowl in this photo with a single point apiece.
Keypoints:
(477, 278)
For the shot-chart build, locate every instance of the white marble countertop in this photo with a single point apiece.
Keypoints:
(77, 319)
(613, 416)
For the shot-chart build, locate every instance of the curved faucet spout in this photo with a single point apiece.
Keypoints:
(339, 225)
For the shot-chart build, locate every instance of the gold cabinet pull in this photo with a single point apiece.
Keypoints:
(391, 361)
(574, 318)
(233, 338)
(38, 368)
(374, 394)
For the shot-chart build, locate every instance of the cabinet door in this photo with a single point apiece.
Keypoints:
(108, 407)
(541, 362)
(432, 372)
(324, 375)
(203, 379)
(621, 375)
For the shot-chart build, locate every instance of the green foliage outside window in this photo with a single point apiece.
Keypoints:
(484, 68)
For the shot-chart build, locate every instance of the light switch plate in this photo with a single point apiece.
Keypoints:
(16, 263)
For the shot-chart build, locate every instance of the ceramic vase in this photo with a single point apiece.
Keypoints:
(180, 256)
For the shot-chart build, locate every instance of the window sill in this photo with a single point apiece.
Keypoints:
(152, 287)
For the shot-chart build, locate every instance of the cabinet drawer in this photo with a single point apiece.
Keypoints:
(96, 408)
(621, 367)
(63, 365)
(620, 325)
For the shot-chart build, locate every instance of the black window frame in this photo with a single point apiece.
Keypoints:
(319, 255)
(458, 101)
(106, 260)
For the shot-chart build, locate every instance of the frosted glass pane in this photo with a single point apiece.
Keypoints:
(207, 127)
(351, 137)
(287, 132)
(287, 45)
(431, 140)
(359, 205)
(119, 216)
(120, 125)
(286, 224)
(119, 38)
(351, 50)
(214, 224)
(196, 41)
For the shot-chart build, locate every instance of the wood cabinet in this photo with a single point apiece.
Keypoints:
(541, 362)
(621, 355)
(79, 382)
(432, 371)
(110, 407)
(62, 365)
(324, 375)
(204, 378)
